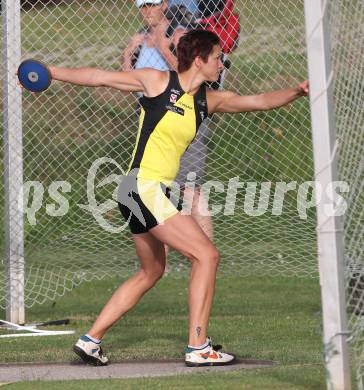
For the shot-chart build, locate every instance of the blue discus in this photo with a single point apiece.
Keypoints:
(34, 75)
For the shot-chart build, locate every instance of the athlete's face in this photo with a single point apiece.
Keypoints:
(214, 66)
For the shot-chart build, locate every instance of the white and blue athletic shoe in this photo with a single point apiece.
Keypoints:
(90, 352)
(211, 355)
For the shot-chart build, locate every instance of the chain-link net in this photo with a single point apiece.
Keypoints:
(347, 41)
(67, 128)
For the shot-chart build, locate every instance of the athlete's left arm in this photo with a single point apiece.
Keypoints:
(226, 101)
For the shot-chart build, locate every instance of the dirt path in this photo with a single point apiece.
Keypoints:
(126, 369)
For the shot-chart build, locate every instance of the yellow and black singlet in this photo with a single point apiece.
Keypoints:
(168, 124)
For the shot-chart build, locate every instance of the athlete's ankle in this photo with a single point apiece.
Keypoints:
(202, 346)
(93, 339)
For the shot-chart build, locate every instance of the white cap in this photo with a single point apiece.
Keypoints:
(140, 3)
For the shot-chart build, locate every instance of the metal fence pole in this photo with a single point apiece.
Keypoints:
(13, 164)
(329, 228)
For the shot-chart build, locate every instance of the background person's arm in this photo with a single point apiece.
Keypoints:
(129, 52)
(164, 44)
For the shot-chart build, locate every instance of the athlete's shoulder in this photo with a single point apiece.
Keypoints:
(155, 81)
(218, 94)
(155, 74)
(215, 98)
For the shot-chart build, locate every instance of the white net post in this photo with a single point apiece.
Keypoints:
(13, 171)
(347, 39)
(329, 227)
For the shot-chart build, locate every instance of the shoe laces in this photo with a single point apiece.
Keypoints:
(217, 347)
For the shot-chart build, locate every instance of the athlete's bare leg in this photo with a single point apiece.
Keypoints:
(196, 203)
(200, 211)
(152, 261)
(182, 233)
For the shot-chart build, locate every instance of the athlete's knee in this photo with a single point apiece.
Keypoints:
(215, 256)
(208, 256)
(153, 273)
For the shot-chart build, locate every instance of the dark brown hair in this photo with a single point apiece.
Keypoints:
(195, 43)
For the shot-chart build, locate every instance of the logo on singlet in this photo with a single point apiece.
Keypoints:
(175, 91)
(185, 105)
(173, 98)
(177, 110)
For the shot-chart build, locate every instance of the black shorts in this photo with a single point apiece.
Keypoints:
(144, 203)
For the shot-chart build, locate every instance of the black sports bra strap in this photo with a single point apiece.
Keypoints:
(173, 79)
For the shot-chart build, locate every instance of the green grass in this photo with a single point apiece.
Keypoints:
(66, 25)
(252, 317)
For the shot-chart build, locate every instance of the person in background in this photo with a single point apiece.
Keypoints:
(190, 5)
(151, 47)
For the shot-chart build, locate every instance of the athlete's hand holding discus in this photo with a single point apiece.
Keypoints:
(173, 107)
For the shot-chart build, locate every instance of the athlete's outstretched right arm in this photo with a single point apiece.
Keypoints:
(131, 81)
